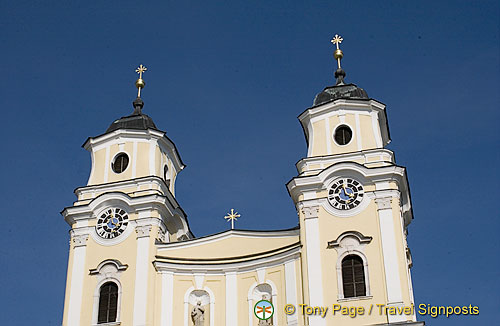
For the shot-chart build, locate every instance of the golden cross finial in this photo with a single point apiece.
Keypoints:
(337, 39)
(140, 70)
(232, 217)
(140, 83)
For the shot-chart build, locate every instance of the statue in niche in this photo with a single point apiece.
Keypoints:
(266, 322)
(198, 315)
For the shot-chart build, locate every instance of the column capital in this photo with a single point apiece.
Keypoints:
(80, 240)
(143, 231)
(383, 203)
(310, 211)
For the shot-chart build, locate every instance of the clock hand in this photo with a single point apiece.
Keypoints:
(345, 191)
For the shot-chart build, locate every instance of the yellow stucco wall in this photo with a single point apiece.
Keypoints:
(103, 162)
(322, 133)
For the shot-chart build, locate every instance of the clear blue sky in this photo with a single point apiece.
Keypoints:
(227, 80)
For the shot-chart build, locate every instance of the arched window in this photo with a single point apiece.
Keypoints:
(108, 303)
(353, 276)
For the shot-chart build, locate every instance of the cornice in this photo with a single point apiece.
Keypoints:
(164, 264)
(171, 215)
(315, 183)
(328, 160)
(341, 104)
(147, 134)
(118, 185)
(228, 234)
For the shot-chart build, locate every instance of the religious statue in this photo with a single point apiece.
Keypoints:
(266, 322)
(198, 315)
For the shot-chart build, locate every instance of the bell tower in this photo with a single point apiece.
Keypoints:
(126, 207)
(354, 208)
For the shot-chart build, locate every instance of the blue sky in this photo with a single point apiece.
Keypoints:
(227, 80)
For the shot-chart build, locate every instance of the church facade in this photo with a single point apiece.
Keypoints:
(134, 261)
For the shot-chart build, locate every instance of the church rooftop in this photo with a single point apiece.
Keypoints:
(137, 120)
(340, 90)
(344, 91)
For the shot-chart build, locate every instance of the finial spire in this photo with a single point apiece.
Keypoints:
(232, 217)
(337, 39)
(140, 83)
(338, 54)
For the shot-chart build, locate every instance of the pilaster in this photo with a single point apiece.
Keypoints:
(76, 281)
(313, 250)
(141, 275)
(390, 255)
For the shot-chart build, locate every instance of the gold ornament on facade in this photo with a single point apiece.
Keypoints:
(232, 217)
(140, 83)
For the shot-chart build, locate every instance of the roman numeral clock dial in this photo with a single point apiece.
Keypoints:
(345, 194)
(112, 223)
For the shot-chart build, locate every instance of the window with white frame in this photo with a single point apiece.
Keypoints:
(353, 276)
(108, 292)
(108, 303)
(352, 264)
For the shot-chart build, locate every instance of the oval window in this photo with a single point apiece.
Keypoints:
(343, 135)
(120, 163)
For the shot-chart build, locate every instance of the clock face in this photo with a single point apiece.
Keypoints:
(345, 193)
(111, 223)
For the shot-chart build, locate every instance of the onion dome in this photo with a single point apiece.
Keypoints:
(137, 120)
(340, 90)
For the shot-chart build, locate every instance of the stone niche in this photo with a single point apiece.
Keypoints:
(199, 308)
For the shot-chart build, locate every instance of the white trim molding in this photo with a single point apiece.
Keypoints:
(368, 157)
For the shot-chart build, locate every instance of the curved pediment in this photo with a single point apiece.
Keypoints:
(229, 247)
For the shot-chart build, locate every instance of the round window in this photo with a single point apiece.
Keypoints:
(120, 163)
(343, 135)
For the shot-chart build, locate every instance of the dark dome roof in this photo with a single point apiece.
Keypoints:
(137, 120)
(134, 121)
(340, 90)
(349, 91)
